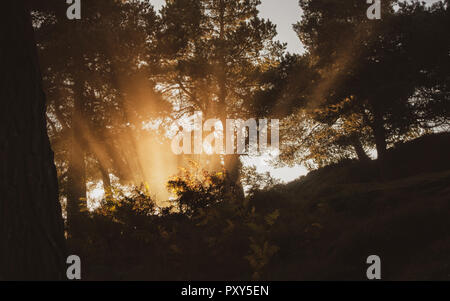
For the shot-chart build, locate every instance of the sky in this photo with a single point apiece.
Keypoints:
(283, 13)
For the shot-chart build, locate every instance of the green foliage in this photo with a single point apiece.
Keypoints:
(261, 249)
(254, 181)
(197, 189)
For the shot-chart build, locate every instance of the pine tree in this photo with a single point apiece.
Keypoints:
(215, 52)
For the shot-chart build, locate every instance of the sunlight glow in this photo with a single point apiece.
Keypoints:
(95, 194)
(265, 163)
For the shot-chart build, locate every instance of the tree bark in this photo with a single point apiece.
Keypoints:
(32, 245)
(107, 187)
(232, 163)
(76, 186)
(360, 152)
(233, 166)
(379, 133)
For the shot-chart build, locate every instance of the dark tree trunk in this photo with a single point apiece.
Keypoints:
(380, 134)
(31, 225)
(380, 141)
(360, 152)
(232, 163)
(233, 166)
(76, 186)
(106, 179)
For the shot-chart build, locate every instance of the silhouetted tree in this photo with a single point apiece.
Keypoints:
(378, 65)
(31, 226)
(215, 51)
(362, 83)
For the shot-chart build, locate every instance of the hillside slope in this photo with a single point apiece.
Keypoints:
(334, 218)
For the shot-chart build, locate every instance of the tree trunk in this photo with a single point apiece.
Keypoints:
(232, 163)
(76, 186)
(360, 152)
(31, 225)
(233, 166)
(107, 187)
(380, 134)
